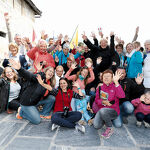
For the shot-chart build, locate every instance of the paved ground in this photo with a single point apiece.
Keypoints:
(21, 135)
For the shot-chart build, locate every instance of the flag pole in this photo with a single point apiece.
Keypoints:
(74, 33)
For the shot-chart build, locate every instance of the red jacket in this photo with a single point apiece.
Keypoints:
(37, 56)
(66, 101)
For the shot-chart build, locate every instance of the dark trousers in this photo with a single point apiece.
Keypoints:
(141, 117)
(14, 104)
(69, 122)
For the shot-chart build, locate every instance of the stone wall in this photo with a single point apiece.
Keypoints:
(21, 20)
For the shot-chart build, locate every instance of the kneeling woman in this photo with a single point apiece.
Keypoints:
(107, 102)
(63, 114)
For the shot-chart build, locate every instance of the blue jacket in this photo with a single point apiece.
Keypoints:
(63, 58)
(134, 64)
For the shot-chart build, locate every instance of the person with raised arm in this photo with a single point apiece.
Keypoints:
(106, 104)
(63, 115)
(40, 55)
(35, 94)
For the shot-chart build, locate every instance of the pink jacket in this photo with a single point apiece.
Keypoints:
(81, 83)
(140, 107)
(114, 93)
(37, 56)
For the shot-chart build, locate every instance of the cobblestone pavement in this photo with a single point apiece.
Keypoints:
(22, 135)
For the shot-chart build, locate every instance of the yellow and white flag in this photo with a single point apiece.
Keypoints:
(74, 40)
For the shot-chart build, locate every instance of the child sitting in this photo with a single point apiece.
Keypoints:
(142, 111)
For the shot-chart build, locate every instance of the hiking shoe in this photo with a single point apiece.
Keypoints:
(54, 126)
(80, 128)
(108, 132)
(45, 117)
(138, 123)
(147, 125)
(125, 120)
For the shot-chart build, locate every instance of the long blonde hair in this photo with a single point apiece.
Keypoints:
(4, 74)
(52, 79)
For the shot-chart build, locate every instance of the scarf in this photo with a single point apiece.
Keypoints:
(81, 77)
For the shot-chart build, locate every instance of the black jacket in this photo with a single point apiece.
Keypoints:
(4, 94)
(22, 59)
(132, 90)
(106, 54)
(33, 91)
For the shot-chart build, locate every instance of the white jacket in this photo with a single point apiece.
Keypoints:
(146, 71)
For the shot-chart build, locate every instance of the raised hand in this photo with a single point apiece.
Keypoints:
(76, 84)
(74, 65)
(137, 30)
(56, 58)
(84, 36)
(116, 77)
(66, 38)
(93, 35)
(88, 64)
(142, 98)
(112, 33)
(139, 78)
(99, 60)
(100, 32)
(39, 67)
(40, 79)
(16, 65)
(60, 36)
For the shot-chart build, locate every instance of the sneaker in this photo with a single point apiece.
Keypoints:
(54, 126)
(90, 122)
(147, 125)
(80, 128)
(18, 114)
(82, 122)
(10, 111)
(108, 132)
(125, 120)
(45, 117)
(138, 123)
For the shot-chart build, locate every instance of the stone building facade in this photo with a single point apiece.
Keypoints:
(21, 15)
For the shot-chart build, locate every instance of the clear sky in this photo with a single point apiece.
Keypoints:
(120, 16)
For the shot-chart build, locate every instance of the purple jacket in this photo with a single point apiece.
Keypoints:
(114, 93)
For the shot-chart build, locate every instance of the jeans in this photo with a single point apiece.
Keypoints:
(125, 109)
(30, 113)
(73, 101)
(68, 122)
(141, 117)
(81, 106)
(104, 116)
(48, 105)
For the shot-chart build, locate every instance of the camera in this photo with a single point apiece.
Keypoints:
(41, 63)
(65, 112)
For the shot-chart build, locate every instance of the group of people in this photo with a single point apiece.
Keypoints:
(94, 83)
